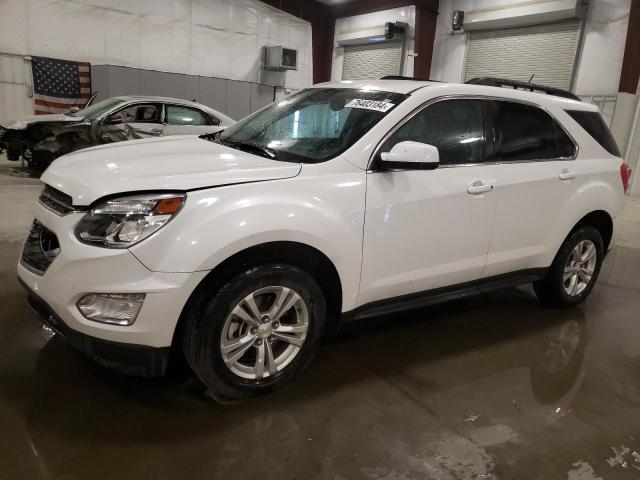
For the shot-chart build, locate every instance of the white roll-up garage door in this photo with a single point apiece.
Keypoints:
(546, 51)
(362, 62)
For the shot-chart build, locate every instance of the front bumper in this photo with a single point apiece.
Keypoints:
(139, 360)
(78, 269)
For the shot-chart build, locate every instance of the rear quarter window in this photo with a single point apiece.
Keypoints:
(528, 133)
(593, 123)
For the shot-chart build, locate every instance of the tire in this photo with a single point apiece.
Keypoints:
(554, 290)
(213, 331)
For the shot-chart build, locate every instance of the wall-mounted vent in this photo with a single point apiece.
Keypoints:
(281, 59)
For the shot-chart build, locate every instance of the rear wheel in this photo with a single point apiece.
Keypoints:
(257, 332)
(574, 270)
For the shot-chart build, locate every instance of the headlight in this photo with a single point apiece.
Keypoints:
(122, 222)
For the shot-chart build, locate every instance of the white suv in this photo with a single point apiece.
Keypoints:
(346, 200)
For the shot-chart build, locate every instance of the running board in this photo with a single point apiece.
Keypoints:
(445, 294)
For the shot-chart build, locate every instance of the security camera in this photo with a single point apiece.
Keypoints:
(457, 20)
(390, 29)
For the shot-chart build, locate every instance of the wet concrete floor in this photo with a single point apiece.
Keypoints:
(494, 387)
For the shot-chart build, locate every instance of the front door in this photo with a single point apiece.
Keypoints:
(426, 229)
(131, 123)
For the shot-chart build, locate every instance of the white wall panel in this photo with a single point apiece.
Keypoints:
(220, 38)
(16, 87)
(605, 35)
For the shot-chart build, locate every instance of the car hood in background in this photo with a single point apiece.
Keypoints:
(168, 163)
(23, 122)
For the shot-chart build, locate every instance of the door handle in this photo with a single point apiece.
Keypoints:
(478, 187)
(567, 175)
(156, 131)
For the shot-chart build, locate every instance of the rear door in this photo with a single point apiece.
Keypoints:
(537, 175)
(184, 120)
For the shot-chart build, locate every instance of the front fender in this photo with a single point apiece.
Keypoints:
(325, 212)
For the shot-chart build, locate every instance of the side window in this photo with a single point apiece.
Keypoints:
(593, 123)
(179, 115)
(526, 132)
(566, 148)
(136, 114)
(455, 127)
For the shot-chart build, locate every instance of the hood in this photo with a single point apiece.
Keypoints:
(24, 122)
(167, 163)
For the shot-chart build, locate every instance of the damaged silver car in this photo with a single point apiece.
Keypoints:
(40, 139)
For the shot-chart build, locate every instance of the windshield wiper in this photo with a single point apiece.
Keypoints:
(211, 136)
(247, 146)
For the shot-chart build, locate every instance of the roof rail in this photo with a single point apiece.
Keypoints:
(518, 85)
(400, 77)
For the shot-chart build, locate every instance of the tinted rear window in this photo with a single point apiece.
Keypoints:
(593, 123)
(526, 132)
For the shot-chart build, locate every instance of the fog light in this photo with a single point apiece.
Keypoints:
(113, 308)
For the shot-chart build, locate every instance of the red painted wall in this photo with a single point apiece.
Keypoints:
(631, 61)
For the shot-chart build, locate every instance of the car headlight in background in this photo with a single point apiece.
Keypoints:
(122, 222)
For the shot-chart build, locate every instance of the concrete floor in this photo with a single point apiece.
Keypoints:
(477, 389)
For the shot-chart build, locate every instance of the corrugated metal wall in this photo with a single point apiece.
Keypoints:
(232, 97)
(546, 51)
(16, 86)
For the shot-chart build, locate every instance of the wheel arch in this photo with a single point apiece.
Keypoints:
(601, 221)
(298, 254)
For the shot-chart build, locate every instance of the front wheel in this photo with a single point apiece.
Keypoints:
(257, 332)
(574, 270)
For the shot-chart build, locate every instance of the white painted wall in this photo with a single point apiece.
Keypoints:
(598, 64)
(369, 20)
(217, 38)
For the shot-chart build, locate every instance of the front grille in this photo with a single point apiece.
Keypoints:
(57, 201)
(40, 249)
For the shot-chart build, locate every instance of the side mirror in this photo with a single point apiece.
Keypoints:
(411, 156)
(113, 119)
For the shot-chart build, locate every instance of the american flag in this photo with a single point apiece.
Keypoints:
(60, 84)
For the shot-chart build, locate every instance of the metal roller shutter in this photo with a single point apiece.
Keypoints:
(363, 62)
(548, 51)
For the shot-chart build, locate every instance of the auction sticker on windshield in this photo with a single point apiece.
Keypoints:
(370, 105)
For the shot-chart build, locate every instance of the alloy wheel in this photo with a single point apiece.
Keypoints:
(562, 346)
(264, 332)
(580, 267)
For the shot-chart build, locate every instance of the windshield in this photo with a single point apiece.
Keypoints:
(97, 109)
(313, 125)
